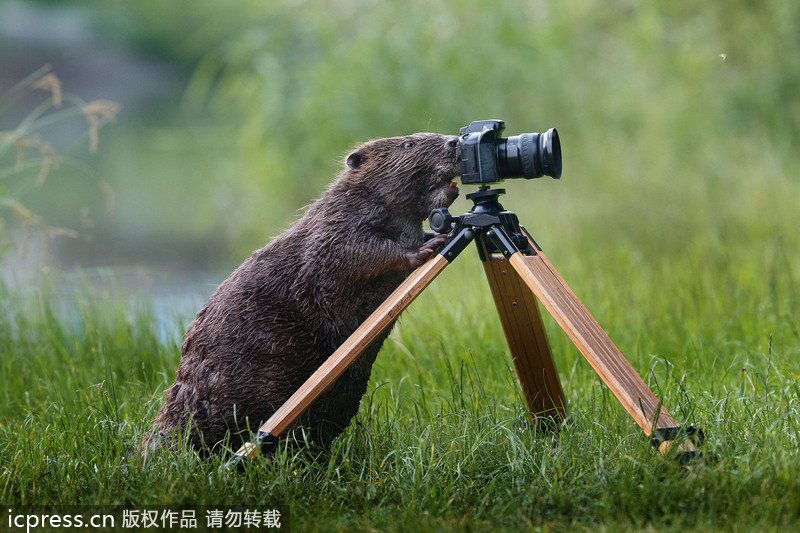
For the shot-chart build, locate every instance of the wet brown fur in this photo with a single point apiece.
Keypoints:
(271, 324)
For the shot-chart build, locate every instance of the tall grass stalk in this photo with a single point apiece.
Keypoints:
(27, 158)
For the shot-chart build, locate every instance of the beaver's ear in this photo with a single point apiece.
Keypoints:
(355, 159)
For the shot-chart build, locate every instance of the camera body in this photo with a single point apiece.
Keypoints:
(488, 158)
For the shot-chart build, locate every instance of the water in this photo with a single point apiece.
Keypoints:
(171, 298)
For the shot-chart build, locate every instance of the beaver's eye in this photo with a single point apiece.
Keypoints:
(409, 144)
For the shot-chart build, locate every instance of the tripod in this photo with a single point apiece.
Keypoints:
(519, 274)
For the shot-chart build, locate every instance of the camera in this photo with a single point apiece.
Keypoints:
(487, 158)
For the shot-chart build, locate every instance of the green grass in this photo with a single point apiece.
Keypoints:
(442, 440)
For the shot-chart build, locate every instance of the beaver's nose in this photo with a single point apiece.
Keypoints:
(450, 143)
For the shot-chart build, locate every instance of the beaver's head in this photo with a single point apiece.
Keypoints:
(413, 174)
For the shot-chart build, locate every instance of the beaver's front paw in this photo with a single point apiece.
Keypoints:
(416, 256)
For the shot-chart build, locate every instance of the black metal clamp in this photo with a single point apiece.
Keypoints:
(263, 441)
(693, 433)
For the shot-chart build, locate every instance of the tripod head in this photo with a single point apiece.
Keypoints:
(487, 218)
(484, 200)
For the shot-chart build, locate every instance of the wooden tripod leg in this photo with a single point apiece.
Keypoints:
(593, 343)
(527, 340)
(344, 356)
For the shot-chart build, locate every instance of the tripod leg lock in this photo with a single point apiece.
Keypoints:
(456, 243)
(502, 241)
(662, 435)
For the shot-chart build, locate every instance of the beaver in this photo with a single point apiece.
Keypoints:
(287, 308)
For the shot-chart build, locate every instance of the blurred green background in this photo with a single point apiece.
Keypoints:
(674, 117)
(676, 223)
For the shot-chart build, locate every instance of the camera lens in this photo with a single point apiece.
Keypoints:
(530, 155)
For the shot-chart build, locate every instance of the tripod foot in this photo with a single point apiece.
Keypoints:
(661, 438)
(262, 443)
(694, 458)
(662, 435)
